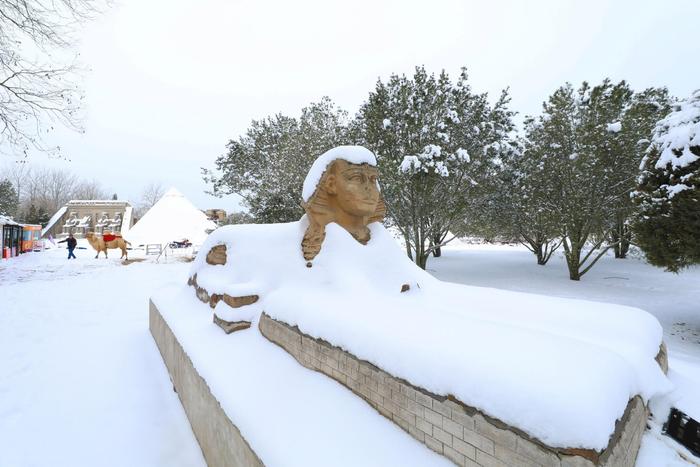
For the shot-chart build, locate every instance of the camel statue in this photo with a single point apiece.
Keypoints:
(107, 241)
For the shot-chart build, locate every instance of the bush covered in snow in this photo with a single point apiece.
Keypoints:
(668, 225)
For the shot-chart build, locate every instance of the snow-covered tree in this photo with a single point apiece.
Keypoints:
(8, 199)
(632, 118)
(519, 209)
(578, 143)
(268, 164)
(437, 144)
(667, 227)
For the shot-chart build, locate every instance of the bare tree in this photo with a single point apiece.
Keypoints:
(152, 193)
(149, 196)
(48, 188)
(89, 190)
(45, 189)
(58, 188)
(38, 89)
(18, 173)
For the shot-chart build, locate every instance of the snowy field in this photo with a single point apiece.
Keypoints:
(81, 380)
(82, 383)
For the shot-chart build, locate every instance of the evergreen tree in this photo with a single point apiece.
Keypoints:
(8, 199)
(35, 215)
(267, 165)
(572, 142)
(437, 143)
(578, 169)
(31, 215)
(667, 226)
(519, 207)
(632, 119)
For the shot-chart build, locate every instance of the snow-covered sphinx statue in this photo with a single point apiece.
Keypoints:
(566, 377)
(341, 189)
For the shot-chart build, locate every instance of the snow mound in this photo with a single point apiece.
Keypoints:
(352, 154)
(561, 370)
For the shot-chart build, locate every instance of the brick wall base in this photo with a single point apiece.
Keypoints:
(459, 432)
(220, 440)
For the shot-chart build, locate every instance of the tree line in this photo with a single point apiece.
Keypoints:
(34, 194)
(452, 162)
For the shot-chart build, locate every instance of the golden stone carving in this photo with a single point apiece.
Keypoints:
(348, 195)
(217, 255)
(213, 299)
(231, 326)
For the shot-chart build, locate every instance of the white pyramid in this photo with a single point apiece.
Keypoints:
(172, 218)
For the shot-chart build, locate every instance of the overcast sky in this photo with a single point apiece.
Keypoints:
(170, 82)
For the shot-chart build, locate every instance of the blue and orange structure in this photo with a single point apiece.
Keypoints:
(17, 238)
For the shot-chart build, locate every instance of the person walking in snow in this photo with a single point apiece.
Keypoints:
(72, 243)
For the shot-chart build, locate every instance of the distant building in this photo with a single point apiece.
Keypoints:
(216, 215)
(81, 216)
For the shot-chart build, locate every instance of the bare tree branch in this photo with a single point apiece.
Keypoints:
(38, 88)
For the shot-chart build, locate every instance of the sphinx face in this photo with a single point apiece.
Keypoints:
(355, 188)
(347, 195)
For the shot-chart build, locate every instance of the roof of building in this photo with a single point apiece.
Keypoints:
(98, 202)
(7, 220)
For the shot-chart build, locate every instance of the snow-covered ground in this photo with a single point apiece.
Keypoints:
(82, 383)
(81, 380)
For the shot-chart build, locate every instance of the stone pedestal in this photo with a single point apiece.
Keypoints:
(220, 440)
(461, 433)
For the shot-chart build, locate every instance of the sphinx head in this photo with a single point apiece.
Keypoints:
(352, 191)
(347, 193)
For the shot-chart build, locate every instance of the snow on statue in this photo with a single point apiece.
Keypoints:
(562, 371)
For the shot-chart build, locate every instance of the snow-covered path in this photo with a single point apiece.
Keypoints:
(81, 381)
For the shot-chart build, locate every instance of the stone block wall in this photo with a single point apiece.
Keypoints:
(459, 432)
(221, 442)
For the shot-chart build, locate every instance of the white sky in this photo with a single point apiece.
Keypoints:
(172, 81)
